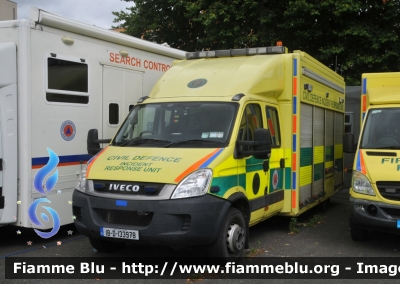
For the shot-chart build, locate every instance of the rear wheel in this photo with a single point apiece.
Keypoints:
(324, 205)
(357, 234)
(232, 236)
(105, 245)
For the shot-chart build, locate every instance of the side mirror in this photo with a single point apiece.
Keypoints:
(348, 143)
(262, 151)
(260, 148)
(93, 142)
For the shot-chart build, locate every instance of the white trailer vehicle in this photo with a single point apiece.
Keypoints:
(58, 79)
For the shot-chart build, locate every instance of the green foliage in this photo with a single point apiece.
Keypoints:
(315, 220)
(293, 226)
(351, 37)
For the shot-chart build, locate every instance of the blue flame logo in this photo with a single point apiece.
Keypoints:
(45, 187)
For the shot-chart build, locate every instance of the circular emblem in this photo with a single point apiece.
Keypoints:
(256, 183)
(197, 83)
(68, 130)
(275, 179)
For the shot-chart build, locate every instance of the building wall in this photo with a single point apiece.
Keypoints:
(8, 10)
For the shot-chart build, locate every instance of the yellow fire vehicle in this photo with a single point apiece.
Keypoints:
(375, 187)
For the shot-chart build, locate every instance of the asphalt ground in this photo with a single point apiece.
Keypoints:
(320, 234)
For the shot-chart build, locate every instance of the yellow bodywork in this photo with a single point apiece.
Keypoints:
(275, 81)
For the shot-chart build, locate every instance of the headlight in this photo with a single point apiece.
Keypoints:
(82, 180)
(195, 184)
(361, 184)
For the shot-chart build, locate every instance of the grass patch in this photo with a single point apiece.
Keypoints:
(293, 226)
(315, 220)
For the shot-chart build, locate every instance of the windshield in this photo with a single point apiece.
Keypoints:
(382, 129)
(184, 124)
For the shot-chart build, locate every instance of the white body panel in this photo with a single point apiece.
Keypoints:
(8, 132)
(63, 126)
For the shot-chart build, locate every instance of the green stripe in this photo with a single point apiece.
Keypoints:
(224, 184)
(288, 178)
(253, 164)
(305, 157)
(318, 171)
(328, 153)
(254, 168)
(242, 180)
(253, 160)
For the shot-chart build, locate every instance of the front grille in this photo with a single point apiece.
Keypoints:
(131, 218)
(373, 153)
(389, 189)
(186, 223)
(77, 213)
(129, 188)
(394, 213)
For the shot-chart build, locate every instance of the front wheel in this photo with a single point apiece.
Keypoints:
(105, 245)
(232, 236)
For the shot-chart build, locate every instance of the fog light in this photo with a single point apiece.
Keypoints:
(360, 207)
(372, 209)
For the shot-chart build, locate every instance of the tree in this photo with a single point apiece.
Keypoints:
(351, 37)
(203, 24)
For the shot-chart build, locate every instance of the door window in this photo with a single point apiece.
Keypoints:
(113, 114)
(273, 126)
(251, 120)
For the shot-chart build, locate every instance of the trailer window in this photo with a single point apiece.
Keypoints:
(67, 81)
(273, 126)
(113, 114)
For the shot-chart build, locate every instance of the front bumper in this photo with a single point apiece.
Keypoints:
(377, 216)
(174, 223)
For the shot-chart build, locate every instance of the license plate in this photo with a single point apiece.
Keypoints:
(119, 233)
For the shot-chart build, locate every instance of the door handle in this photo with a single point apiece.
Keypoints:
(282, 163)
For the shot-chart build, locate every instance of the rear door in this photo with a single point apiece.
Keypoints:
(121, 89)
(8, 133)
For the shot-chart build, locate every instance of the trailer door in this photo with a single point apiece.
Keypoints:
(8, 133)
(122, 88)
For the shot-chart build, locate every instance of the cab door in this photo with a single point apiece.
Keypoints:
(8, 133)
(277, 168)
(252, 175)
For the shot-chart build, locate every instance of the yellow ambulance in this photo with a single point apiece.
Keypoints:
(375, 187)
(225, 140)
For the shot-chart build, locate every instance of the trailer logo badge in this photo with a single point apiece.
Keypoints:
(44, 187)
(68, 130)
(275, 179)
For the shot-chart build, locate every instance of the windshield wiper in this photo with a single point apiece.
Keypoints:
(191, 141)
(138, 140)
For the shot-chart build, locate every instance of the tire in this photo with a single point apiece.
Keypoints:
(323, 207)
(231, 239)
(105, 245)
(357, 234)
